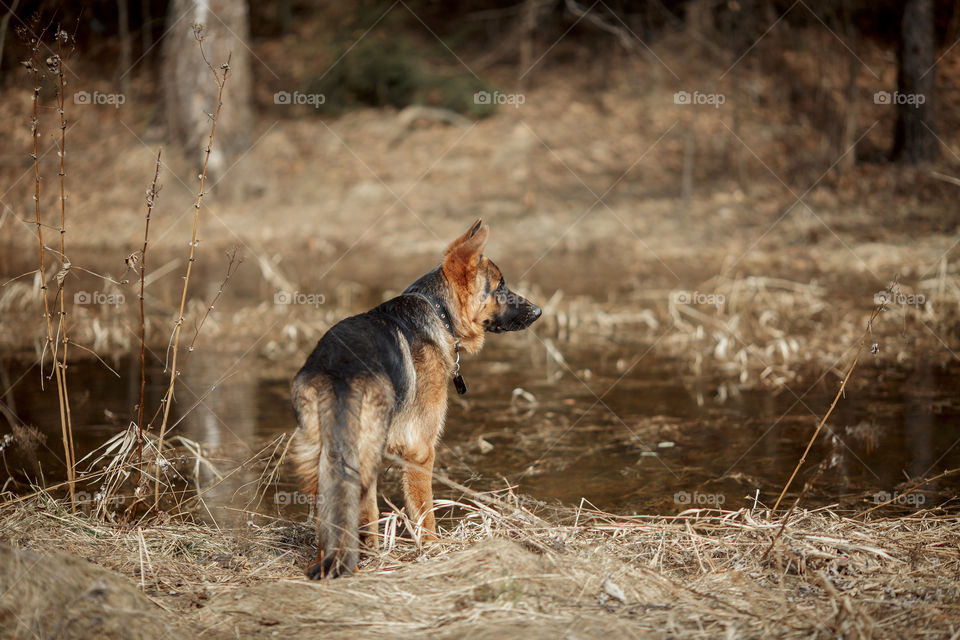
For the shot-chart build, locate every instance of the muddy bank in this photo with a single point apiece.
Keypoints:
(58, 595)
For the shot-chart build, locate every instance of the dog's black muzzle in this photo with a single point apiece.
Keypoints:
(518, 314)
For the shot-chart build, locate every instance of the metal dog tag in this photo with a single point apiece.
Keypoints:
(460, 384)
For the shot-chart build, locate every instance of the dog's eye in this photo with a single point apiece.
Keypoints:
(501, 294)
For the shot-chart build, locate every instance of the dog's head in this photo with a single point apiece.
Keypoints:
(481, 301)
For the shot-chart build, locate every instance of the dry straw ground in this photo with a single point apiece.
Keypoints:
(505, 567)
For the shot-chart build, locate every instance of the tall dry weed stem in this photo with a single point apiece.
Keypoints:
(59, 356)
(221, 79)
(151, 198)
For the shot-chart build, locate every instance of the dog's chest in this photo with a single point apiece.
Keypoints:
(419, 418)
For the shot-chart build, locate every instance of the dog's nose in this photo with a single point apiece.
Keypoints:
(536, 312)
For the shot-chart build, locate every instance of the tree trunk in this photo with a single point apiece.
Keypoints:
(529, 21)
(914, 139)
(698, 23)
(190, 90)
(126, 57)
(848, 135)
(146, 22)
(4, 22)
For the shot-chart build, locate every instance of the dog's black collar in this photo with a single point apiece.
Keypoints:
(441, 310)
(444, 313)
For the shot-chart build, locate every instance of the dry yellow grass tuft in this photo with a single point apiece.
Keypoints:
(505, 565)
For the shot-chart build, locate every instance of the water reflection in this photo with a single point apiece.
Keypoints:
(645, 442)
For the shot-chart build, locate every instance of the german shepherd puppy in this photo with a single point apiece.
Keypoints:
(378, 382)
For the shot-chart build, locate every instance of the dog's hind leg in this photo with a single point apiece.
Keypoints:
(369, 515)
(375, 413)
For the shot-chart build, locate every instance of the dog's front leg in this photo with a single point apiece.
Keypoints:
(418, 488)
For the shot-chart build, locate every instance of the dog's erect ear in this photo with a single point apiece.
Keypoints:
(465, 251)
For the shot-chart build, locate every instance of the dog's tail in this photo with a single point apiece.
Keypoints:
(339, 485)
(336, 452)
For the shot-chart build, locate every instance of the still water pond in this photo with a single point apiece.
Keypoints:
(613, 427)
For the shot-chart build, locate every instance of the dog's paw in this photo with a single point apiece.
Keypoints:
(324, 568)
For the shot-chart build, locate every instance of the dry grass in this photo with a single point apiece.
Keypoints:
(505, 565)
(759, 331)
(766, 332)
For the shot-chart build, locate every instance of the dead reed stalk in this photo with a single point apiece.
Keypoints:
(175, 338)
(151, 199)
(56, 65)
(58, 367)
(877, 310)
(916, 487)
(233, 264)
